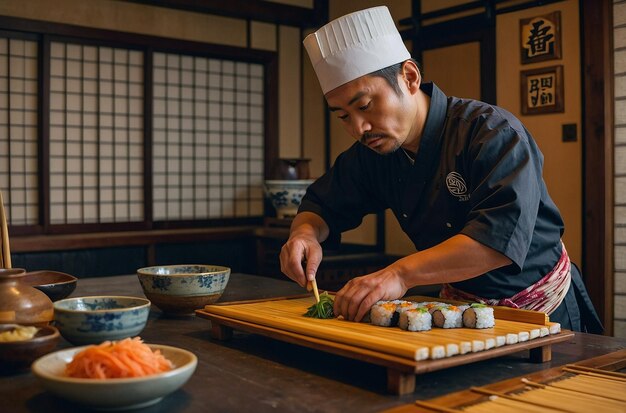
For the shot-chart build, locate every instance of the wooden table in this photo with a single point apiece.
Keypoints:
(254, 373)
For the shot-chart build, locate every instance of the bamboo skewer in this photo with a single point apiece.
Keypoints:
(574, 368)
(6, 249)
(313, 285)
(1, 253)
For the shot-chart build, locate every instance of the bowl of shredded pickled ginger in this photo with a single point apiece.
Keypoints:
(124, 374)
(20, 345)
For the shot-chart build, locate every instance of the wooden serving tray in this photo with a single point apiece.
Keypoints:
(403, 353)
(598, 370)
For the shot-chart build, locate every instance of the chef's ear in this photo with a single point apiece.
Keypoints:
(411, 76)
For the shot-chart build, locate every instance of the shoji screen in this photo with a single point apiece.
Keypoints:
(96, 134)
(208, 140)
(18, 130)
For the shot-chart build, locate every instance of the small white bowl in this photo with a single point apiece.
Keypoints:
(94, 319)
(114, 394)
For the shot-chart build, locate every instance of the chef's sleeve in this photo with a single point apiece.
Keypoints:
(505, 191)
(342, 196)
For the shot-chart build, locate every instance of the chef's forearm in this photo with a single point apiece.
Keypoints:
(310, 224)
(456, 259)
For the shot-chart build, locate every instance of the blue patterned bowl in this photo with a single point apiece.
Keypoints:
(182, 289)
(286, 195)
(92, 320)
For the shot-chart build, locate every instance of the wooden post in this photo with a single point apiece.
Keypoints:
(399, 382)
(220, 331)
(541, 354)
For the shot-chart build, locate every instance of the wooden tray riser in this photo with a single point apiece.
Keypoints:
(403, 353)
(287, 315)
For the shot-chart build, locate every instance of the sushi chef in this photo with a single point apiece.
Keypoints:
(463, 178)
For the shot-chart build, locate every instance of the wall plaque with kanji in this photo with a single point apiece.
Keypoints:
(541, 38)
(542, 90)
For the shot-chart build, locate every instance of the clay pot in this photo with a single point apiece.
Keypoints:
(292, 169)
(21, 303)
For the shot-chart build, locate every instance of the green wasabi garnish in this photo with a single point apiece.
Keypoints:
(323, 309)
(478, 305)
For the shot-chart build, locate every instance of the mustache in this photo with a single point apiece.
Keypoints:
(369, 136)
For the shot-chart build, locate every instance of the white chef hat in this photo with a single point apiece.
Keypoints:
(354, 45)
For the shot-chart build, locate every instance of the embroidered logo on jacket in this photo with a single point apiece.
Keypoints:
(456, 186)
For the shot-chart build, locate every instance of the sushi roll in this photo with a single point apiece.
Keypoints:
(431, 305)
(382, 314)
(478, 316)
(404, 306)
(447, 316)
(415, 319)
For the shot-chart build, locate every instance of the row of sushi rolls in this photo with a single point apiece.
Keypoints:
(422, 316)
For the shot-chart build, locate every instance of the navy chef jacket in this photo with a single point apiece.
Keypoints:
(477, 172)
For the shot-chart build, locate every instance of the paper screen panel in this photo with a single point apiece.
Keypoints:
(18, 130)
(96, 134)
(208, 142)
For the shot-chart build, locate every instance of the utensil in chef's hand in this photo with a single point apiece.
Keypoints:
(311, 285)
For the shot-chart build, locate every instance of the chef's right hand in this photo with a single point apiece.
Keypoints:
(300, 257)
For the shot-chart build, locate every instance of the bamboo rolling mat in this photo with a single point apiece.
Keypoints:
(575, 388)
(287, 315)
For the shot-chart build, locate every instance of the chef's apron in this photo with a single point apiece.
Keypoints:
(576, 312)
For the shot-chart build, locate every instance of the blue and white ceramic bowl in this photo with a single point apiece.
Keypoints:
(286, 195)
(92, 320)
(182, 289)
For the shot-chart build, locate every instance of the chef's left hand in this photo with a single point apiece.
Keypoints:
(355, 299)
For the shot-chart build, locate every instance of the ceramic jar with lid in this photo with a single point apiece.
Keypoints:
(20, 303)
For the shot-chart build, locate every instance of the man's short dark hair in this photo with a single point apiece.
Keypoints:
(390, 74)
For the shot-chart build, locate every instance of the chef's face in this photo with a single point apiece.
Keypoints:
(373, 112)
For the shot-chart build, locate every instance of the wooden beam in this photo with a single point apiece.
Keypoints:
(64, 242)
(264, 11)
(597, 49)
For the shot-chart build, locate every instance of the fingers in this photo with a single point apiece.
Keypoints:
(366, 304)
(355, 299)
(313, 260)
(293, 253)
(291, 263)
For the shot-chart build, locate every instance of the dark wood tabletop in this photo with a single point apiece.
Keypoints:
(252, 373)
